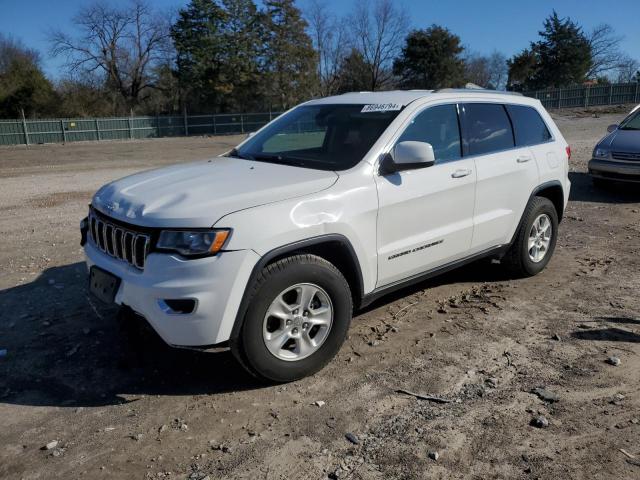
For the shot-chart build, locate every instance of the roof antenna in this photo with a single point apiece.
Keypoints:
(473, 86)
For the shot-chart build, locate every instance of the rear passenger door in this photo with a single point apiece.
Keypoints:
(531, 131)
(506, 173)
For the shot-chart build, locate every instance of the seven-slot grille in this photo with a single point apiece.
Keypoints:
(119, 242)
(628, 156)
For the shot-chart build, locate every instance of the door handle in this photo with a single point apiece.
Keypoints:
(523, 158)
(461, 173)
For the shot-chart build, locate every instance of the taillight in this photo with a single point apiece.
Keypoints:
(568, 152)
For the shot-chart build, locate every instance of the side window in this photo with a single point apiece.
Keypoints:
(438, 126)
(529, 127)
(486, 128)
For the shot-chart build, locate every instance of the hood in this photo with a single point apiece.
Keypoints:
(198, 194)
(622, 141)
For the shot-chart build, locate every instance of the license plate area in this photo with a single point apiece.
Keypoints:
(103, 285)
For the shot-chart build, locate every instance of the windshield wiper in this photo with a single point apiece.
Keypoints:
(274, 158)
(235, 154)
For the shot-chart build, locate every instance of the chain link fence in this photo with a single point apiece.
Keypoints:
(63, 130)
(588, 95)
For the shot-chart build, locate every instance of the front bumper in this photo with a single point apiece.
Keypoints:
(614, 170)
(216, 283)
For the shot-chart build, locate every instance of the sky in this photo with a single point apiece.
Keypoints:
(504, 25)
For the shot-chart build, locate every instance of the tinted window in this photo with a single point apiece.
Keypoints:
(439, 127)
(325, 137)
(486, 128)
(528, 126)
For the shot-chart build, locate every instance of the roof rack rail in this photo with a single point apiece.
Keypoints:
(476, 90)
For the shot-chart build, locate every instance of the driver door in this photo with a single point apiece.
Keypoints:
(425, 217)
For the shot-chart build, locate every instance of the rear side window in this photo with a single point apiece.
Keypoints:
(486, 128)
(528, 126)
(438, 126)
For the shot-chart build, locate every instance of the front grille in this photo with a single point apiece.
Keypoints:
(119, 242)
(627, 156)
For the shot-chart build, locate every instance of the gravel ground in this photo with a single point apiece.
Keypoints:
(80, 400)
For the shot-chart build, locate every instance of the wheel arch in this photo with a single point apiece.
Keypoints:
(553, 191)
(334, 248)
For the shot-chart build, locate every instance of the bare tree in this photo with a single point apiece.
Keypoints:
(476, 70)
(487, 71)
(124, 44)
(498, 70)
(329, 36)
(379, 29)
(605, 50)
(11, 49)
(628, 70)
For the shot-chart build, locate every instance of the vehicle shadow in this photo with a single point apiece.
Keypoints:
(607, 335)
(627, 320)
(65, 349)
(583, 190)
(478, 271)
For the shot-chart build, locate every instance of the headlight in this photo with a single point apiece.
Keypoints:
(601, 153)
(207, 242)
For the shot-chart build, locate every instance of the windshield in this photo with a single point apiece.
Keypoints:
(324, 137)
(632, 122)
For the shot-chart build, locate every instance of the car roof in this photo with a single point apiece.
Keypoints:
(405, 97)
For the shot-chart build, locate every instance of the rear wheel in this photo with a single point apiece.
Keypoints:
(298, 317)
(535, 240)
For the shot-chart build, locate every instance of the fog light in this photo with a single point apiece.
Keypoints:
(180, 306)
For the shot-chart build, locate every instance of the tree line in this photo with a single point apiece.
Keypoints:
(217, 56)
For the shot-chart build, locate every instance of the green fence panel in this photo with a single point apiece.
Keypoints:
(44, 131)
(62, 130)
(171, 126)
(588, 95)
(11, 132)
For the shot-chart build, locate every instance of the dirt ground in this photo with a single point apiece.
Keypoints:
(474, 336)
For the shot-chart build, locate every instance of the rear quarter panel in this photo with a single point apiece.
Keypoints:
(551, 157)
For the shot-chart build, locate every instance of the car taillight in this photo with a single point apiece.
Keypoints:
(568, 152)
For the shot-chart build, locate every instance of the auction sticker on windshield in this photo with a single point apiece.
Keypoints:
(381, 107)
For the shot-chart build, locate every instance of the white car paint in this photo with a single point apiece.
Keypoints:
(197, 194)
(268, 206)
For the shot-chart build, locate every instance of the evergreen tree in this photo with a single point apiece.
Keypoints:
(243, 36)
(430, 59)
(354, 74)
(523, 69)
(561, 57)
(23, 85)
(290, 58)
(199, 44)
(564, 53)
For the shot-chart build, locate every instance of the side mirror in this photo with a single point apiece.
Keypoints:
(611, 128)
(409, 155)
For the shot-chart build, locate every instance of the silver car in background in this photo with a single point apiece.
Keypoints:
(617, 156)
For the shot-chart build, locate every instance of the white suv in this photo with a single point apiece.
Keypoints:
(269, 248)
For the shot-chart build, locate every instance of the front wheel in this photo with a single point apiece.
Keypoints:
(535, 240)
(298, 317)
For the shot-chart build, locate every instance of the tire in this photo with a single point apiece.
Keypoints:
(518, 259)
(287, 279)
